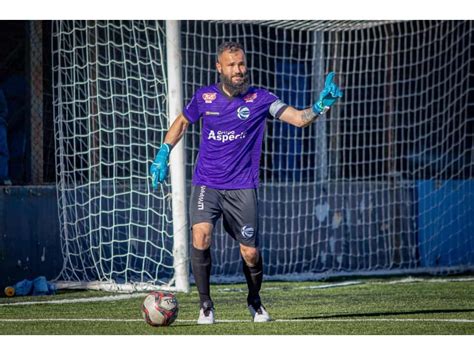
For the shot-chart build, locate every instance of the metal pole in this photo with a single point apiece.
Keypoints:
(177, 158)
(36, 100)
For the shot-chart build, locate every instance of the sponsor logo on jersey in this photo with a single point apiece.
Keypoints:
(243, 112)
(250, 97)
(208, 97)
(225, 136)
(247, 232)
(211, 113)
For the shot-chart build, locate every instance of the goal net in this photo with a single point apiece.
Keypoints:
(381, 185)
(110, 100)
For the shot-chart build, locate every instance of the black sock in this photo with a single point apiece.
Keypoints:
(201, 264)
(254, 277)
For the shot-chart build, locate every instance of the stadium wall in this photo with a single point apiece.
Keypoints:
(30, 243)
(445, 208)
(30, 234)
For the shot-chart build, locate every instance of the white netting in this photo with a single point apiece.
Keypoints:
(110, 99)
(384, 183)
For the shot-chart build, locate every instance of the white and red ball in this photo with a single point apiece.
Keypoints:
(160, 308)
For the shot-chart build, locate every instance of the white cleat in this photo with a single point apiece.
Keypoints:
(259, 315)
(206, 315)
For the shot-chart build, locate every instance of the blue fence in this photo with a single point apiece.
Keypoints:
(446, 222)
(29, 234)
(442, 231)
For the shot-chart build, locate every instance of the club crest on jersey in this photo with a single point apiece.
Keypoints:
(208, 97)
(243, 112)
(250, 97)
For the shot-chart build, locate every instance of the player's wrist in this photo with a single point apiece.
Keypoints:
(163, 153)
(167, 146)
(165, 150)
(308, 116)
(319, 109)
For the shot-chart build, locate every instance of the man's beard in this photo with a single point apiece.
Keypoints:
(236, 89)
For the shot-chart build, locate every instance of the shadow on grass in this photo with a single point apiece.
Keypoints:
(378, 314)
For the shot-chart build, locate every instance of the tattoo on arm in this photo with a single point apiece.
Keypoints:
(308, 116)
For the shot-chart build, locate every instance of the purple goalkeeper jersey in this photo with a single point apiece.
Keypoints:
(231, 137)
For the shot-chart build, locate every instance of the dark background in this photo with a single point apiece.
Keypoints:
(16, 83)
(357, 160)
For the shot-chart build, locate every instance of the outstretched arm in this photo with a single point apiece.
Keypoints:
(303, 118)
(299, 118)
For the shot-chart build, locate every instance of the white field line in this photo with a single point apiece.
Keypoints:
(420, 279)
(315, 287)
(405, 280)
(78, 300)
(139, 295)
(349, 320)
(230, 289)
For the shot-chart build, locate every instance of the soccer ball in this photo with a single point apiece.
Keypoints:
(160, 308)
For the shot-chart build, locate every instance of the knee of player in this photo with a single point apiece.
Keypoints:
(201, 237)
(250, 255)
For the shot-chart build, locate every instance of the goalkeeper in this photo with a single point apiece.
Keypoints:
(225, 178)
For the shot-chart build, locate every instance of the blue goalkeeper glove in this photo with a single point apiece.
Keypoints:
(328, 96)
(159, 168)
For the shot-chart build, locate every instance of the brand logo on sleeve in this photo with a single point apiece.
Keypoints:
(243, 112)
(208, 97)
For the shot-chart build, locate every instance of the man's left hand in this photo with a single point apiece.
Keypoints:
(328, 96)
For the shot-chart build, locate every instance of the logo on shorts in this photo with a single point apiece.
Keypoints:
(208, 97)
(243, 112)
(247, 232)
(200, 204)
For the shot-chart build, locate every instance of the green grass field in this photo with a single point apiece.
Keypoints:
(356, 307)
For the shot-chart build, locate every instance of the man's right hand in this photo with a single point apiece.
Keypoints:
(159, 167)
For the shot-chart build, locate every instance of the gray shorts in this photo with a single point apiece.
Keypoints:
(239, 209)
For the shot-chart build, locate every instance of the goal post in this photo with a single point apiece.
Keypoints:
(116, 88)
(177, 159)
